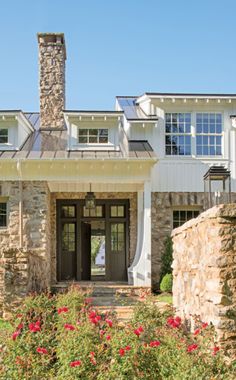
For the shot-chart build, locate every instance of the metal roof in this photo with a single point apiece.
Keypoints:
(132, 110)
(53, 144)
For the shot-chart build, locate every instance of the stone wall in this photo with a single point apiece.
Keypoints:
(163, 205)
(204, 271)
(26, 267)
(133, 221)
(52, 55)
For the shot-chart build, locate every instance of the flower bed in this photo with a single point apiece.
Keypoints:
(63, 337)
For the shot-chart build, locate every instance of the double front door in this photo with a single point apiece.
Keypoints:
(92, 244)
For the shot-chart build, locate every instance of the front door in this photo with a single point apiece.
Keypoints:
(92, 243)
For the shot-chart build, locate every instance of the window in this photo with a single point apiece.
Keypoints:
(68, 237)
(92, 136)
(3, 214)
(117, 237)
(68, 212)
(209, 134)
(182, 216)
(3, 136)
(97, 212)
(118, 211)
(178, 134)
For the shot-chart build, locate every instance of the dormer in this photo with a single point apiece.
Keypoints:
(14, 130)
(93, 130)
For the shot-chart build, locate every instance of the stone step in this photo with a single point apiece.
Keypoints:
(123, 313)
(104, 300)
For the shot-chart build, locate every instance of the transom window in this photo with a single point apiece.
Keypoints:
(178, 133)
(3, 214)
(182, 216)
(209, 134)
(92, 136)
(3, 135)
(97, 212)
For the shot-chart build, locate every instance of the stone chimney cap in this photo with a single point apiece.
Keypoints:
(51, 39)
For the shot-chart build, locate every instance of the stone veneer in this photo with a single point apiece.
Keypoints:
(162, 214)
(52, 56)
(204, 272)
(26, 268)
(132, 223)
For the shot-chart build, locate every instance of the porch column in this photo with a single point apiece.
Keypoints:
(140, 271)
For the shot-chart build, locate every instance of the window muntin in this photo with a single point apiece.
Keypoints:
(182, 216)
(118, 211)
(178, 134)
(117, 237)
(97, 212)
(208, 134)
(92, 136)
(68, 212)
(68, 237)
(3, 135)
(3, 214)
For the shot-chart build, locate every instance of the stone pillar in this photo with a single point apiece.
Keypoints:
(204, 272)
(52, 56)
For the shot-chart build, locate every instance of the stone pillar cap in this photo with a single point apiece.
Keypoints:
(52, 38)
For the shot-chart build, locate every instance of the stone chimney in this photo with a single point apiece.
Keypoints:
(52, 57)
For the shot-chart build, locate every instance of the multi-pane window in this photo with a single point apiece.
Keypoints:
(3, 214)
(117, 237)
(3, 135)
(182, 216)
(118, 211)
(97, 212)
(68, 237)
(209, 134)
(92, 136)
(178, 134)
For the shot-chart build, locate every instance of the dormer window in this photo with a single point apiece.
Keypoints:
(3, 135)
(92, 136)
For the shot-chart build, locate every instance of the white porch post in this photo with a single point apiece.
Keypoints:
(140, 270)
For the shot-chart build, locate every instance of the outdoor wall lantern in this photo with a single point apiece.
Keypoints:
(217, 186)
(90, 199)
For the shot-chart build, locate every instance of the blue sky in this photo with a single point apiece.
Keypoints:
(123, 47)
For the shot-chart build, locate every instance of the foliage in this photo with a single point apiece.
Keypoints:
(64, 337)
(166, 283)
(167, 258)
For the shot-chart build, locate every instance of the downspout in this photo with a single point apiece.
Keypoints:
(18, 166)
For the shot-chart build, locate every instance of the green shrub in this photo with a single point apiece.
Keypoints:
(167, 258)
(74, 342)
(166, 283)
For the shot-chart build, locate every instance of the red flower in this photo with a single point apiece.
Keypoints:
(204, 325)
(76, 363)
(92, 314)
(121, 352)
(196, 332)
(109, 322)
(127, 348)
(92, 353)
(138, 331)
(174, 322)
(192, 347)
(215, 350)
(93, 361)
(67, 326)
(154, 343)
(15, 334)
(108, 337)
(101, 332)
(42, 350)
(20, 326)
(63, 309)
(34, 327)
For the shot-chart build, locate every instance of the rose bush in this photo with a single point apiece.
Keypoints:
(64, 337)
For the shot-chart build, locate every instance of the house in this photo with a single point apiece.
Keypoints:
(144, 162)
